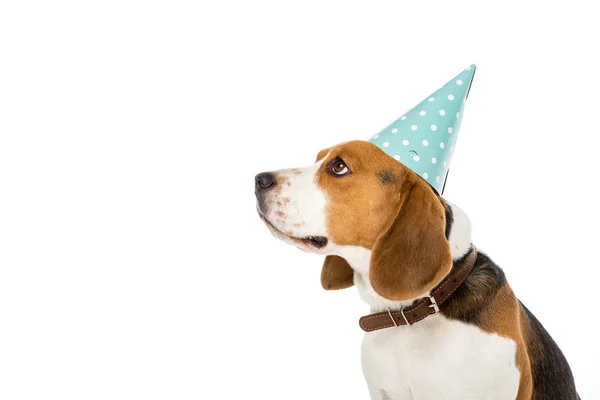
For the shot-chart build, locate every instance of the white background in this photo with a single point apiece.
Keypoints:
(132, 262)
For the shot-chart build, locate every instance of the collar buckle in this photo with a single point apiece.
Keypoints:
(404, 316)
(434, 305)
(392, 317)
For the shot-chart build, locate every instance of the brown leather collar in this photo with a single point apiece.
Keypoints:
(426, 306)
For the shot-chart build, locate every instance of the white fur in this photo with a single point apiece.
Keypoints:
(359, 259)
(460, 234)
(304, 214)
(437, 358)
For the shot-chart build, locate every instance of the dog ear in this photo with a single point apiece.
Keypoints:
(336, 273)
(412, 255)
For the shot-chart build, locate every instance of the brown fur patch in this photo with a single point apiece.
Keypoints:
(353, 198)
(412, 255)
(336, 274)
(402, 221)
(386, 176)
(504, 318)
(359, 206)
(322, 154)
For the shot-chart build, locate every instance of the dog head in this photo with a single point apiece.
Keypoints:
(357, 197)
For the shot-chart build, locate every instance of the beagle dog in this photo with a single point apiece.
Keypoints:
(445, 322)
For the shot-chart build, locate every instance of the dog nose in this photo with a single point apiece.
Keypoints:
(264, 180)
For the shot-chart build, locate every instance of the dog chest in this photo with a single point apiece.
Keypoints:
(440, 358)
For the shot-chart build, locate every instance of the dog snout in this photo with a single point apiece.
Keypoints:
(263, 181)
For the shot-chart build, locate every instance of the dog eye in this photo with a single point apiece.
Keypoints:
(338, 167)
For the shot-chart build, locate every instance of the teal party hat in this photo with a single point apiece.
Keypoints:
(423, 139)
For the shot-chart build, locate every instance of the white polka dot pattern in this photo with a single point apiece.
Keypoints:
(429, 131)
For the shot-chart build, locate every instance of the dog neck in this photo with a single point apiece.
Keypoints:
(359, 258)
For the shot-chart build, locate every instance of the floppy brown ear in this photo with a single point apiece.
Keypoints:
(413, 254)
(336, 273)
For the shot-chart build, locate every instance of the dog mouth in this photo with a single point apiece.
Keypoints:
(316, 242)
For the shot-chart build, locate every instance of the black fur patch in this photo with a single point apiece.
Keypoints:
(449, 219)
(472, 299)
(552, 377)
(386, 176)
